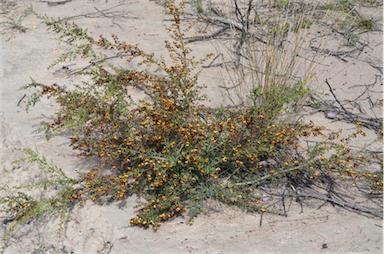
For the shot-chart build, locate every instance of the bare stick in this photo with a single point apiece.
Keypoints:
(337, 100)
(213, 60)
(22, 98)
(56, 3)
(266, 177)
(233, 24)
(345, 204)
(206, 37)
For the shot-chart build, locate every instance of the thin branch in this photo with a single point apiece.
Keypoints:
(105, 59)
(345, 204)
(343, 114)
(213, 60)
(206, 37)
(334, 96)
(266, 177)
(234, 25)
(50, 3)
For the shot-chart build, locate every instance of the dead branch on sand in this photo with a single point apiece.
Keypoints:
(340, 112)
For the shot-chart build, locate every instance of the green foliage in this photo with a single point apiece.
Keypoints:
(271, 103)
(75, 37)
(197, 5)
(352, 39)
(339, 5)
(366, 24)
(351, 20)
(282, 4)
(301, 23)
(22, 207)
(347, 5)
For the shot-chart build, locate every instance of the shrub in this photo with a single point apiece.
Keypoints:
(168, 148)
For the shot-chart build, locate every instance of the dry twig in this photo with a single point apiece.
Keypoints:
(342, 203)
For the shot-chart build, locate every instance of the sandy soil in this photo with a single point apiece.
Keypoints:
(28, 49)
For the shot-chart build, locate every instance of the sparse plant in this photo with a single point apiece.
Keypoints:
(366, 24)
(350, 19)
(339, 5)
(197, 5)
(15, 24)
(22, 207)
(352, 39)
(282, 4)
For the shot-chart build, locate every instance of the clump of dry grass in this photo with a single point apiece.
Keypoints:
(272, 67)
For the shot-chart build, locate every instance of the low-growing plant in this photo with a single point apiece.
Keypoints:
(21, 206)
(12, 23)
(349, 19)
(339, 5)
(367, 24)
(283, 4)
(198, 6)
(352, 39)
(168, 148)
